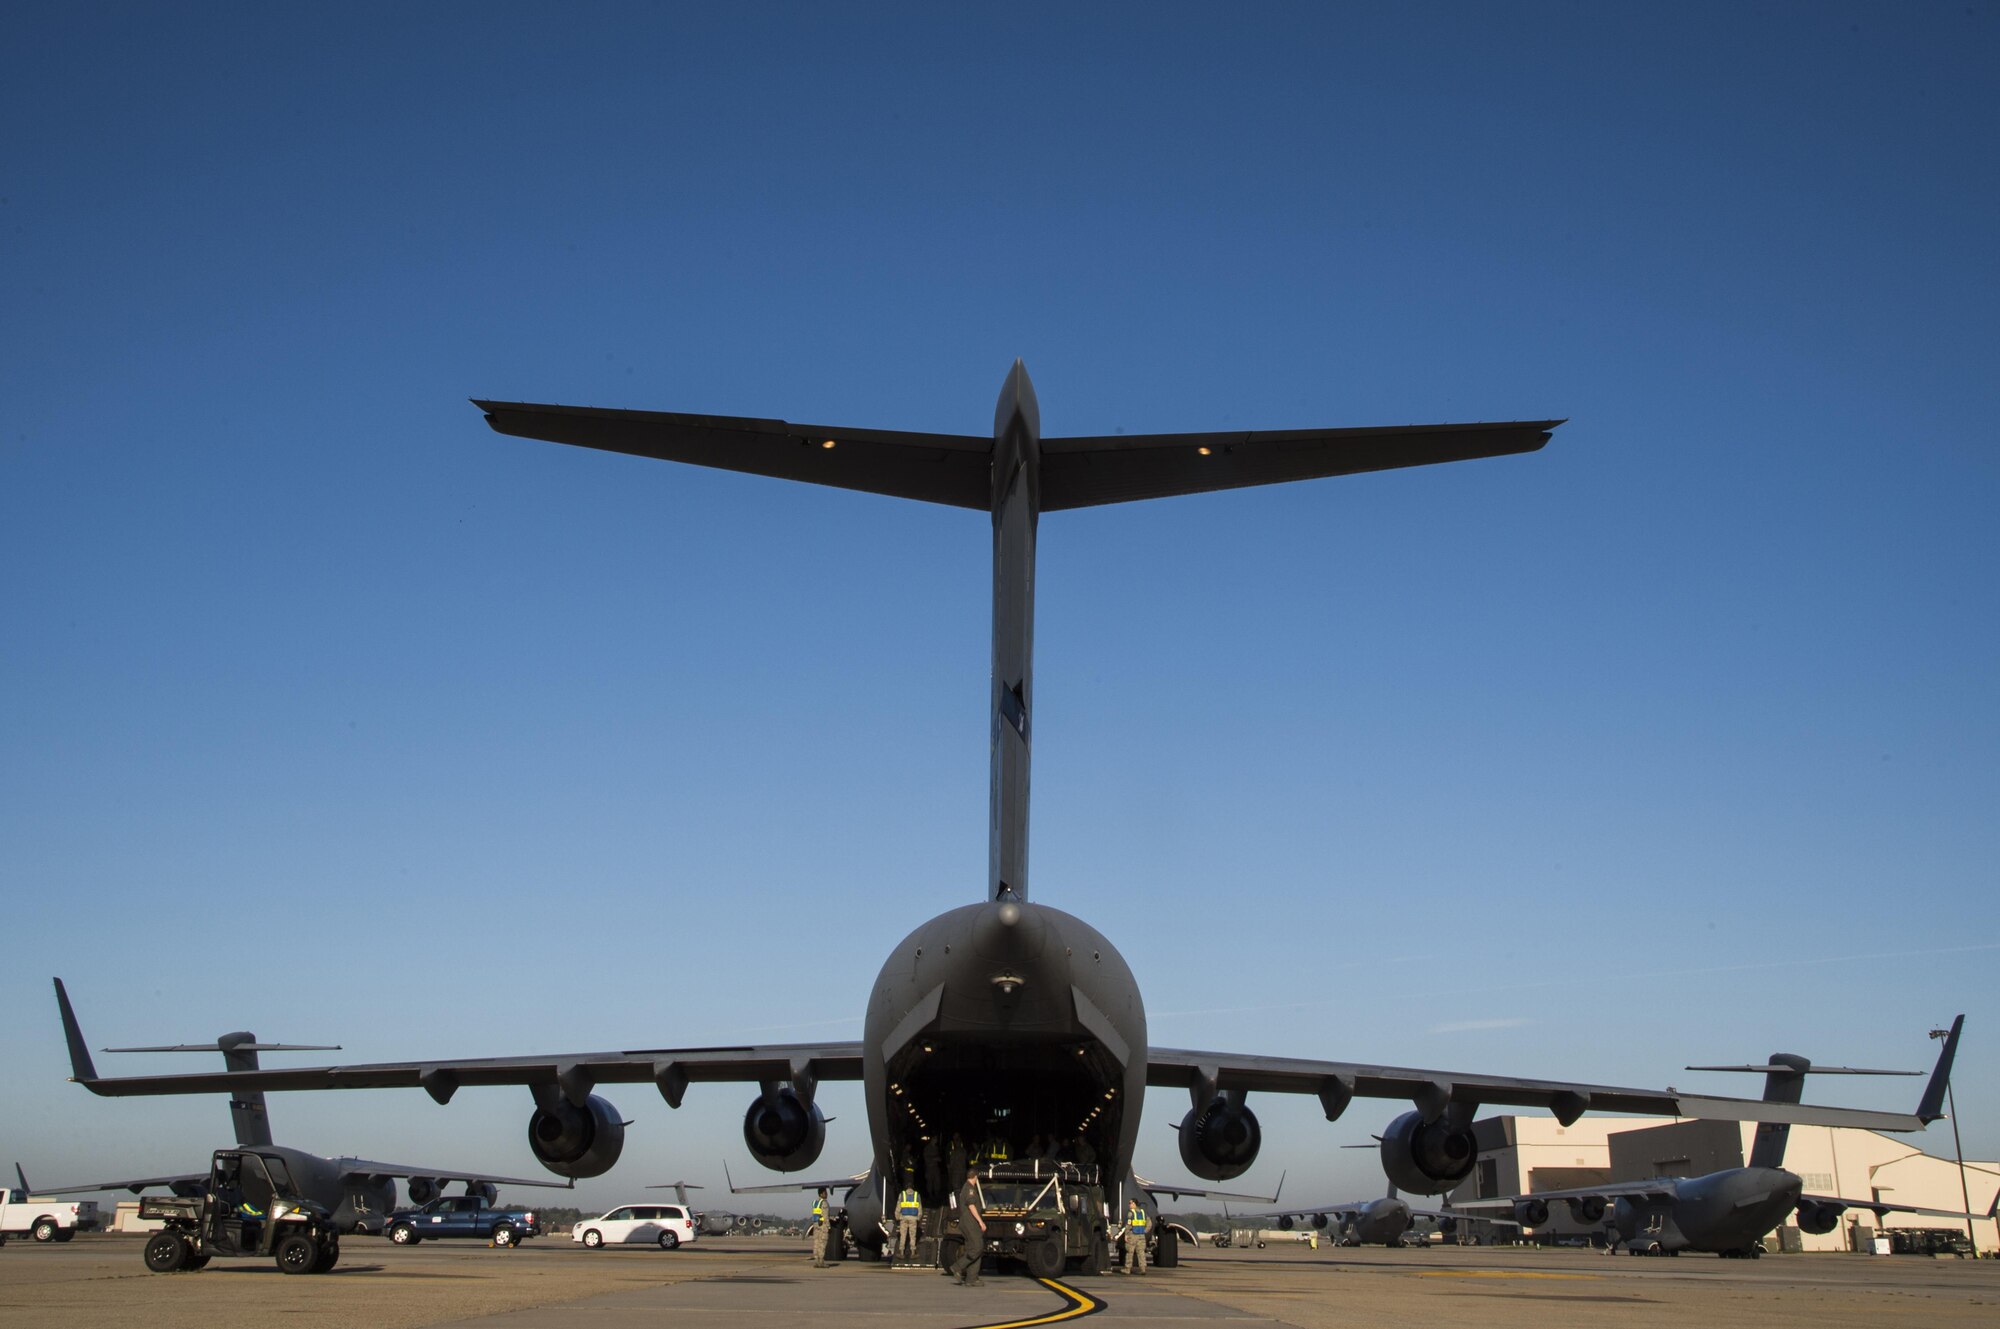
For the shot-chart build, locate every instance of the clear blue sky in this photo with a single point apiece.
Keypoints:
(1673, 742)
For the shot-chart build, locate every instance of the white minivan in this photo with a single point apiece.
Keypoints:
(664, 1225)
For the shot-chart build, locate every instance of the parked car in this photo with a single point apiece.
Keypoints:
(462, 1216)
(664, 1225)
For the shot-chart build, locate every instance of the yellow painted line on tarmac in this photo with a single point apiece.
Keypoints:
(1495, 1273)
(1076, 1306)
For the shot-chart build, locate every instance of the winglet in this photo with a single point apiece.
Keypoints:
(1932, 1106)
(22, 1177)
(81, 1070)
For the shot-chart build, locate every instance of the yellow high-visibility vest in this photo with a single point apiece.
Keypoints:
(908, 1205)
(1137, 1222)
(819, 1211)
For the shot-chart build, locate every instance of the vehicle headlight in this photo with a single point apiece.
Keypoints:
(1020, 1229)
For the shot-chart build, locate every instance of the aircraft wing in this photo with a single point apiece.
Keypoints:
(194, 1180)
(364, 1167)
(842, 1184)
(1881, 1207)
(670, 1070)
(1655, 1188)
(1338, 1083)
(1195, 1193)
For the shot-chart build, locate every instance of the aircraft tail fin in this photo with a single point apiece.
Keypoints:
(81, 1069)
(1932, 1106)
(1785, 1081)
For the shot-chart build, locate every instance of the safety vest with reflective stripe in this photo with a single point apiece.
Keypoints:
(1137, 1222)
(819, 1211)
(908, 1205)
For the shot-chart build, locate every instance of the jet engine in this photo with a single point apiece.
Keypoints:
(485, 1190)
(1220, 1142)
(782, 1133)
(1818, 1219)
(422, 1190)
(575, 1141)
(1427, 1158)
(1531, 1213)
(1448, 1226)
(1587, 1208)
(1284, 1222)
(1319, 1221)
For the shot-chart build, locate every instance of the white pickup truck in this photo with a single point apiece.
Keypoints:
(44, 1220)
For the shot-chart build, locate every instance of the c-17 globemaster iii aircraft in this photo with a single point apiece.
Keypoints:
(1005, 1023)
(1729, 1212)
(359, 1193)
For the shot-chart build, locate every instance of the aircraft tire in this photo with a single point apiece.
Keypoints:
(1167, 1251)
(298, 1254)
(166, 1252)
(670, 1240)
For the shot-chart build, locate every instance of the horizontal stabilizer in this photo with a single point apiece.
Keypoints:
(955, 469)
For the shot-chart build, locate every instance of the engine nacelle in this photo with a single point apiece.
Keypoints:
(1587, 1209)
(1531, 1213)
(1448, 1226)
(1818, 1219)
(782, 1133)
(422, 1190)
(485, 1190)
(1427, 1158)
(1284, 1222)
(1220, 1142)
(1319, 1222)
(575, 1141)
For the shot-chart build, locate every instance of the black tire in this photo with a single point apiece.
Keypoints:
(194, 1262)
(402, 1234)
(44, 1229)
(65, 1234)
(592, 1239)
(1044, 1258)
(329, 1254)
(670, 1240)
(166, 1252)
(503, 1235)
(297, 1254)
(1167, 1253)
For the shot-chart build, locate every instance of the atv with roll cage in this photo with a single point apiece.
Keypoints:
(250, 1207)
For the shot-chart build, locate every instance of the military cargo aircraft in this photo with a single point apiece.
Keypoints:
(1729, 1212)
(1003, 1021)
(1383, 1221)
(358, 1192)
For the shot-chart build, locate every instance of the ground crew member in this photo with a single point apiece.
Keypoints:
(822, 1223)
(909, 1208)
(1135, 1238)
(971, 1231)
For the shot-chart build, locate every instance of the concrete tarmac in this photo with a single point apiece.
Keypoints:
(738, 1282)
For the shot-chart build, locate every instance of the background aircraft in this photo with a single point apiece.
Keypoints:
(1001, 1022)
(1729, 1212)
(705, 1221)
(360, 1192)
(1383, 1221)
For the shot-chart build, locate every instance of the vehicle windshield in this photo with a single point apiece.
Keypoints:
(1019, 1195)
(274, 1168)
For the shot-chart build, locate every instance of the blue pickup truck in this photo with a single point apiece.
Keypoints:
(462, 1216)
